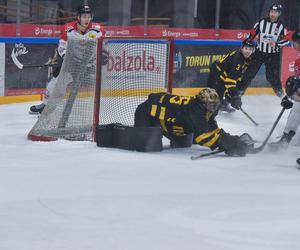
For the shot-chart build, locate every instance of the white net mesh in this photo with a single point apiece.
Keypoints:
(69, 111)
(135, 68)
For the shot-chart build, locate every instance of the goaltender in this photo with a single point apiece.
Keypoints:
(187, 117)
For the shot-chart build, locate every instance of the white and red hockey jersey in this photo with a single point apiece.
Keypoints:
(71, 30)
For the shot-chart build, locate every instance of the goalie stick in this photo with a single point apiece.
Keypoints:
(21, 66)
(262, 146)
(246, 138)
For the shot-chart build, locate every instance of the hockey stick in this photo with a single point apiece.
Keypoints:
(249, 117)
(261, 147)
(21, 66)
(250, 141)
(207, 154)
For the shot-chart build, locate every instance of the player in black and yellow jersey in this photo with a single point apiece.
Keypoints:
(180, 116)
(228, 72)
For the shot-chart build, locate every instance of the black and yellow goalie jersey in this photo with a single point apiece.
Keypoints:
(182, 115)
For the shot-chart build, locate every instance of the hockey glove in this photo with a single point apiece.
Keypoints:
(286, 102)
(234, 97)
(232, 145)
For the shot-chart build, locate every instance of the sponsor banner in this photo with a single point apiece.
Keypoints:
(30, 30)
(178, 33)
(133, 61)
(193, 59)
(19, 78)
(2, 68)
(41, 30)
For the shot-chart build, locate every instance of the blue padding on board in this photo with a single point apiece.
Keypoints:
(183, 42)
(28, 40)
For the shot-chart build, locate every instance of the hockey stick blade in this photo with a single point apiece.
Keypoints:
(206, 154)
(262, 146)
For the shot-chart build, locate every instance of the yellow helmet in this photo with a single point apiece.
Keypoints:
(210, 98)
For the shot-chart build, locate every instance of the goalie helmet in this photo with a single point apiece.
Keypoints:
(210, 98)
(292, 85)
(276, 6)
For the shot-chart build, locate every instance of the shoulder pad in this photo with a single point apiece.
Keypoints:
(95, 26)
(69, 26)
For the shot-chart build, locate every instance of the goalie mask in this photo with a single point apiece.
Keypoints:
(210, 98)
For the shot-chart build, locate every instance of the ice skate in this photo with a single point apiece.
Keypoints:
(37, 109)
(283, 142)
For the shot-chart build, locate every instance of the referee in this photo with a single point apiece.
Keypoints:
(271, 34)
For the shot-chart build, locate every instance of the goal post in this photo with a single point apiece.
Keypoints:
(92, 91)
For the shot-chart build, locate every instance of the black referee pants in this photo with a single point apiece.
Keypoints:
(272, 63)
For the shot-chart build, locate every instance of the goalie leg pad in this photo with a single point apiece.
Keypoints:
(142, 139)
(104, 136)
(182, 141)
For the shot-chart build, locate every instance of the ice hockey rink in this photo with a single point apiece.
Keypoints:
(74, 196)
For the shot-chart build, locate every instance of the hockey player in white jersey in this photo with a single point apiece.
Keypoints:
(82, 27)
(291, 101)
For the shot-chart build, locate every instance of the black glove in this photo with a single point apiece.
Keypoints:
(104, 57)
(286, 103)
(234, 97)
(232, 145)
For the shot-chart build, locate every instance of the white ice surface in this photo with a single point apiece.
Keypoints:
(74, 196)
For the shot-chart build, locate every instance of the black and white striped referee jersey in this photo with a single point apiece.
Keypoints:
(269, 32)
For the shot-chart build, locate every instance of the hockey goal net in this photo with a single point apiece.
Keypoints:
(94, 89)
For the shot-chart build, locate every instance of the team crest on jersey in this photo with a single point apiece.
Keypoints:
(92, 35)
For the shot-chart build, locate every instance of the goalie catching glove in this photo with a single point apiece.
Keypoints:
(235, 145)
(234, 97)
